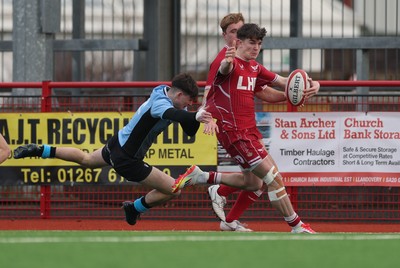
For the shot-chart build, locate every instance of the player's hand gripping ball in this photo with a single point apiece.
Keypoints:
(296, 84)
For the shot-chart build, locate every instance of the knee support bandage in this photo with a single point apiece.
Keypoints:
(270, 176)
(277, 194)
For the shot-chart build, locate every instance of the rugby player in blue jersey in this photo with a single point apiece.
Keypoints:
(126, 150)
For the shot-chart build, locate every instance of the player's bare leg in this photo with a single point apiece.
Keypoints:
(194, 175)
(161, 193)
(278, 196)
(71, 154)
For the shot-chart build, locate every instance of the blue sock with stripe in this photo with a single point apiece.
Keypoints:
(48, 151)
(140, 205)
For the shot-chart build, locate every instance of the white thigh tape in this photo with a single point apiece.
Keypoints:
(270, 176)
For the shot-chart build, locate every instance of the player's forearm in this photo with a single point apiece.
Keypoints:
(186, 119)
(206, 90)
(225, 67)
(271, 95)
(277, 96)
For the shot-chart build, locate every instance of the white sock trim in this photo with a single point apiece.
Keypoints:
(291, 218)
(218, 177)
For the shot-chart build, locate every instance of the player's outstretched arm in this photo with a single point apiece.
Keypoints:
(5, 150)
(270, 95)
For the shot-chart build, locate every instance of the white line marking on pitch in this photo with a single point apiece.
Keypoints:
(135, 239)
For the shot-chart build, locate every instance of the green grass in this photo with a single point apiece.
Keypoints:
(113, 249)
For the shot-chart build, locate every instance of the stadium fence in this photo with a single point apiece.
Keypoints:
(361, 203)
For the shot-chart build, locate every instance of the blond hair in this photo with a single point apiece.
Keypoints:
(230, 19)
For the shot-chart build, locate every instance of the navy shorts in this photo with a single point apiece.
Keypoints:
(132, 169)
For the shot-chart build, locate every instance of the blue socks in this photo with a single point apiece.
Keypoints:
(140, 205)
(46, 151)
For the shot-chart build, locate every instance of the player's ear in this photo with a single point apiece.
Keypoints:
(180, 94)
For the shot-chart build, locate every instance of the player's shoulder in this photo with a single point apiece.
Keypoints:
(160, 90)
(159, 93)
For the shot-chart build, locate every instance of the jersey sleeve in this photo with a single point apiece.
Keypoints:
(163, 108)
(214, 66)
(186, 119)
(160, 106)
(265, 77)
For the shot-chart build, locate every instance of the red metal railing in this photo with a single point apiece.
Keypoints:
(102, 201)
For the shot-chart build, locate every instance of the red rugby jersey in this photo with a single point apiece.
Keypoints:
(214, 66)
(231, 97)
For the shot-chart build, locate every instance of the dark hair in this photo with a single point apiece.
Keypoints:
(230, 19)
(251, 31)
(187, 84)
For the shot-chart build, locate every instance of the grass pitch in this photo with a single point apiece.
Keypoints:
(48, 249)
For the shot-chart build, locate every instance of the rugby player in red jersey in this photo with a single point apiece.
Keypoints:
(231, 102)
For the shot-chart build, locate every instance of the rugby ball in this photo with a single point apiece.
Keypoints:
(296, 84)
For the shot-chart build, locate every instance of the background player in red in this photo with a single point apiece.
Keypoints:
(231, 102)
(229, 25)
